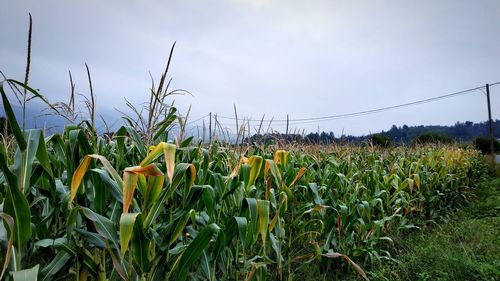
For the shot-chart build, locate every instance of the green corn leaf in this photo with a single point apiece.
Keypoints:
(140, 245)
(237, 226)
(263, 212)
(120, 146)
(154, 188)
(195, 249)
(127, 222)
(59, 261)
(136, 139)
(92, 238)
(24, 159)
(209, 200)
(156, 208)
(249, 210)
(9, 176)
(21, 142)
(16, 205)
(42, 156)
(105, 227)
(9, 221)
(142, 185)
(26, 274)
(275, 173)
(180, 225)
(163, 125)
(116, 192)
(119, 265)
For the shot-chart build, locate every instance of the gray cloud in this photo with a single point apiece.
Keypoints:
(303, 58)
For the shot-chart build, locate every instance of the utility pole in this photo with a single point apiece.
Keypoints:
(210, 129)
(490, 122)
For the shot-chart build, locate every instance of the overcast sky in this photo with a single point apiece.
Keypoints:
(302, 58)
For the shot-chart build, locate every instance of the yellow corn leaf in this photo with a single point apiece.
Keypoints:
(255, 163)
(191, 172)
(149, 170)
(280, 157)
(129, 184)
(78, 176)
(82, 169)
(299, 175)
(416, 178)
(236, 169)
(130, 178)
(168, 151)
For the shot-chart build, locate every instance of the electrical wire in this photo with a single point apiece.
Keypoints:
(365, 112)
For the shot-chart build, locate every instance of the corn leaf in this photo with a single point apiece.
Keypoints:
(82, 169)
(59, 261)
(21, 142)
(30, 274)
(195, 249)
(263, 212)
(16, 205)
(127, 222)
(255, 163)
(140, 245)
(129, 184)
(9, 221)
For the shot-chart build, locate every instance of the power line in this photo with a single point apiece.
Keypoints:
(365, 112)
(198, 119)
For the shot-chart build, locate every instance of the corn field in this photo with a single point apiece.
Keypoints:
(79, 206)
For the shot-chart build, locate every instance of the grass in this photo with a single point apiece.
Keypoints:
(467, 247)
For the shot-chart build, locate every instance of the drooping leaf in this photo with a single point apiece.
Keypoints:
(129, 184)
(82, 169)
(237, 226)
(168, 151)
(130, 179)
(21, 142)
(255, 163)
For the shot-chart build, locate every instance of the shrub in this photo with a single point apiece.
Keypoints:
(483, 144)
(432, 138)
(381, 140)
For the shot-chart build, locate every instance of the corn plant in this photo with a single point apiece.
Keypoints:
(85, 207)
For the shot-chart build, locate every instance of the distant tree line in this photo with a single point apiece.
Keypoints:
(460, 131)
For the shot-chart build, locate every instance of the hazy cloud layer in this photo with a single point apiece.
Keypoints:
(304, 58)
